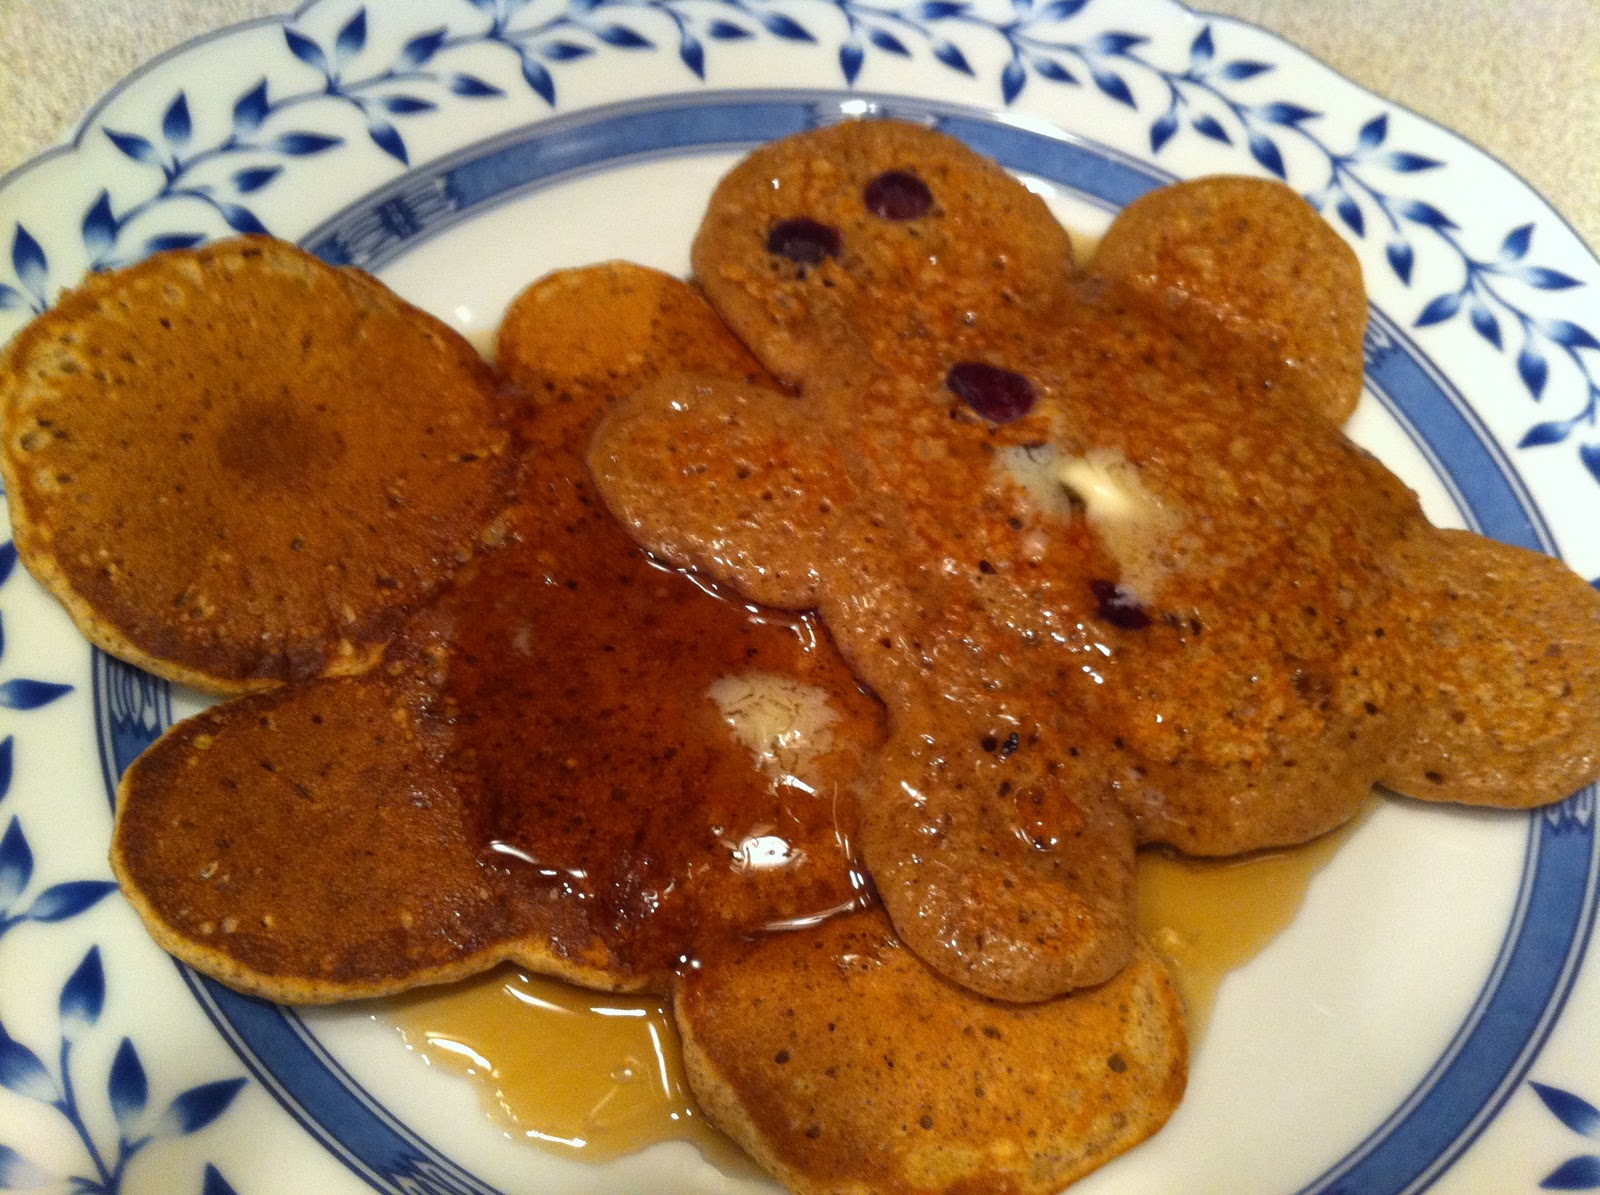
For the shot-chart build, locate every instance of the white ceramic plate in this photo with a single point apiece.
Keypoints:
(1427, 1020)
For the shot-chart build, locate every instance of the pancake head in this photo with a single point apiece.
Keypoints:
(236, 465)
(874, 239)
(841, 1063)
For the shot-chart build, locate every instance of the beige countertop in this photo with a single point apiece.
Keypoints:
(1521, 80)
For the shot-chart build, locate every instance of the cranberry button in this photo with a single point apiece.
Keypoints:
(1119, 607)
(898, 195)
(997, 394)
(803, 240)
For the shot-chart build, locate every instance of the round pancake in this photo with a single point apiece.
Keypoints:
(237, 466)
(844, 1065)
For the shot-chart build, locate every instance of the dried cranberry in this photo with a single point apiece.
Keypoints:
(803, 240)
(1119, 607)
(997, 394)
(898, 195)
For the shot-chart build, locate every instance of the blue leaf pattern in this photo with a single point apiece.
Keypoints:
(1578, 1114)
(176, 125)
(1440, 309)
(422, 48)
(851, 56)
(539, 79)
(8, 560)
(306, 50)
(215, 1184)
(199, 1106)
(30, 694)
(60, 901)
(135, 147)
(1576, 1174)
(299, 145)
(251, 109)
(99, 228)
(1264, 150)
(1545, 433)
(246, 181)
(352, 38)
(126, 1087)
(22, 1072)
(16, 863)
(30, 263)
(17, 1173)
(83, 996)
(473, 87)
(7, 751)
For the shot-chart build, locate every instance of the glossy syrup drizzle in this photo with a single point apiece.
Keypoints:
(598, 1076)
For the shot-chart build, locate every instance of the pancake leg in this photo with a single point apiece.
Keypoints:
(1003, 879)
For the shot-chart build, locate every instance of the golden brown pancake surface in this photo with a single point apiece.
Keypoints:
(236, 465)
(843, 1064)
(1113, 569)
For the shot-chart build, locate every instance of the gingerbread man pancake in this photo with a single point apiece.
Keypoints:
(1097, 543)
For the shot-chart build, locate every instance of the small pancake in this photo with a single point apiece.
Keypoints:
(237, 466)
(842, 1064)
(1251, 253)
(574, 758)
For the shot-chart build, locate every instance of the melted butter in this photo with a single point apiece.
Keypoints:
(598, 1075)
(1207, 916)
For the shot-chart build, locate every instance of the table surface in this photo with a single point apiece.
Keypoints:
(1521, 80)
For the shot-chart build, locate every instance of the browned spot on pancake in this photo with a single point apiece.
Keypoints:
(275, 443)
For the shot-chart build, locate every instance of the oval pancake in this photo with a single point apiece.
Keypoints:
(237, 466)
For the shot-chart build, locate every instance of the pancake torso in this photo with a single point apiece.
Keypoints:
(237, 466)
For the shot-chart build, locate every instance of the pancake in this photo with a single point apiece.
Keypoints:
(574, 758)
(1110, 564)
(842, 1064)
(1254, 255)
(237, 466)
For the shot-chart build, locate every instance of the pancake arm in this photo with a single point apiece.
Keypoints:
(1250, 256)
(1507, 674)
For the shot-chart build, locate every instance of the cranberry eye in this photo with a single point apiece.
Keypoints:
(997, 394)
(898, 195)
(1119, 607)
(803, 240)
